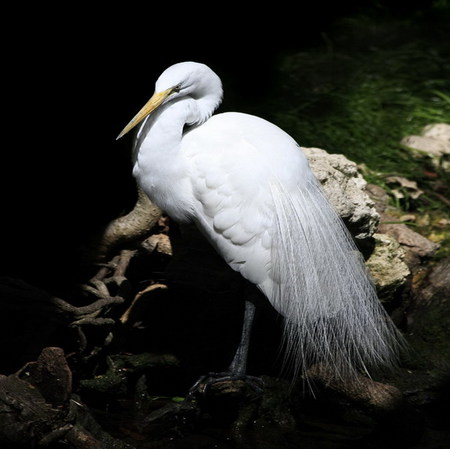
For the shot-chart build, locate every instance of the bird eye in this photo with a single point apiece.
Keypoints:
(177, 88)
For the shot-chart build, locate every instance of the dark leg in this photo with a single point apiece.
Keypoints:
(238, 366)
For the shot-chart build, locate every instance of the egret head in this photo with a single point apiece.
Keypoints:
(191, 79)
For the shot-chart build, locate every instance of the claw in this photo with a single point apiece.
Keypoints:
(204, 383)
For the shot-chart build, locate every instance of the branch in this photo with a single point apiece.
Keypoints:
(136, 225)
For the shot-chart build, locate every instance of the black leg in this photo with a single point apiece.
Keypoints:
(238, 366)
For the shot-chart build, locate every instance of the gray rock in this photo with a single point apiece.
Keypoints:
(429, 145)
(387, 266)
(417, 247)
(440, 131)
(433, 144)
(346, 189)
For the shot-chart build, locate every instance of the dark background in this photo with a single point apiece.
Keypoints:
(74, 76)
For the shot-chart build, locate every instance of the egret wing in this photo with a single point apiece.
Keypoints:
(233, 160)
(233, 207)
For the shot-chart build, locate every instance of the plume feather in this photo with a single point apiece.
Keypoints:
(332, 313)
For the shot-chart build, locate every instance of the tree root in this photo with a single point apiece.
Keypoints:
(133, 227)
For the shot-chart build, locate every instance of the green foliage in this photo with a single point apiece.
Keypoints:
(361, 102)
(373, 81)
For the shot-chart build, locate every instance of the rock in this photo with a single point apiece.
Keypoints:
(387, 266)
(429, 316)
(416, 246)
(433, 144)
(430, 145)
(437, 287)
(36, 408)
(440, 131)
(51, 375)
(379, 196)
(349, 193)
(346, 189)
(362, 390)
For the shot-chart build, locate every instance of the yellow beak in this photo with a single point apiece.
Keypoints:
(152, 104)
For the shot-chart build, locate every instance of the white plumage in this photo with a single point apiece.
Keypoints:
(248, 187)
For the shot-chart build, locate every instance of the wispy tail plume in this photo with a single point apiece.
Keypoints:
(332, 313)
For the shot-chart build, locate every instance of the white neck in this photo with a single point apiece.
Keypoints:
(163, 128)
(158, 167)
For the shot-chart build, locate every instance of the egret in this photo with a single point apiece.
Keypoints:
(248, 187)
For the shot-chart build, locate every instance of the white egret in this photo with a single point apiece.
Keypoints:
(248, 187)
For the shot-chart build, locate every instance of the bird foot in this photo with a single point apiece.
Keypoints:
(225, 382)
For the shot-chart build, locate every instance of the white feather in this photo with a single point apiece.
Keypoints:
(323, 289)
